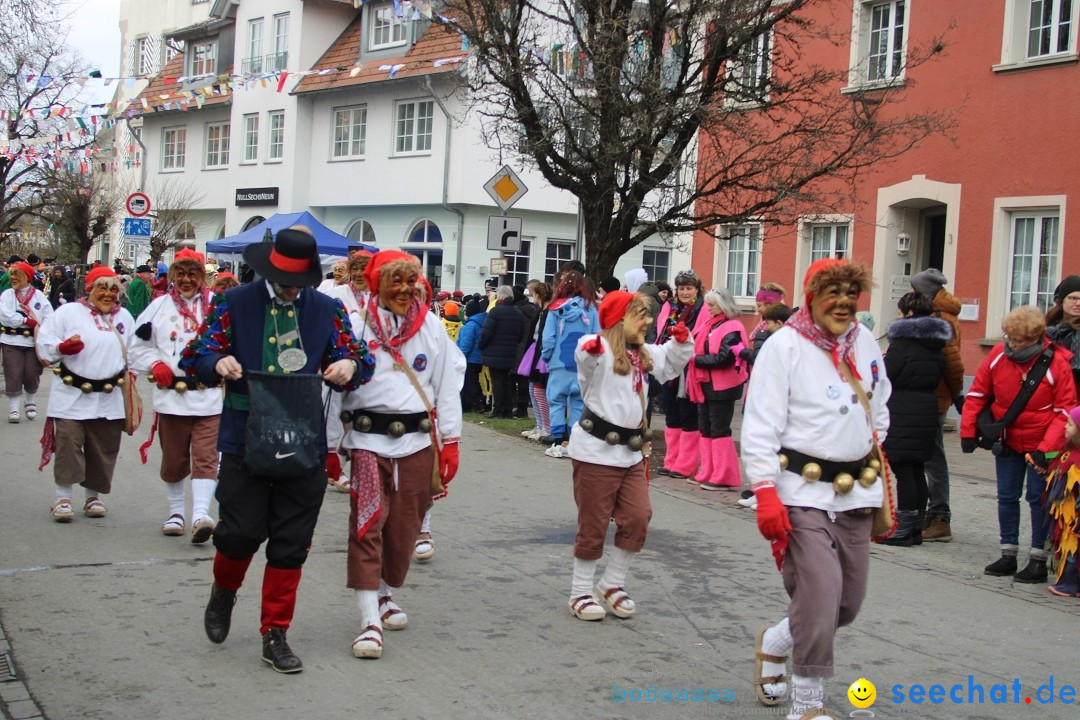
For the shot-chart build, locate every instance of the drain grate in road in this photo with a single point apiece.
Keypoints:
(7, 668)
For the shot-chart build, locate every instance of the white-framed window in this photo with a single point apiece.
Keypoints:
(254, 61)
(517, 264)
(173, 48)
(425, 231)
(829, 241)
(743, 258)
(879, 41)
(276, 142)
(251, 138)
(217, 145)
(1035, 248)
(280, 58)
(657, 263)
(173, 148)
(387, 29)
(147, 55)
(203, 58)
(1039, 32)
(361, 231)
(557, 254)
(748, 77)
(413, 125)
(350, 133)
(186, 232)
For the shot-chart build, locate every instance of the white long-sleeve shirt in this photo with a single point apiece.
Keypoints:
(100, 358)
(38, 306)
(612, 397)
(439, 368)
(798, 400)
(170, 335)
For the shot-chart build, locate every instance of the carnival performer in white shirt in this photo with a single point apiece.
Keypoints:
(23, 308)
(391, 436)
(353, 294)
(805, 444)
(186, 413)
(86, 409)
(610, 470)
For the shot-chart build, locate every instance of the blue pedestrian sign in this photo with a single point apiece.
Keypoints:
(137, 227)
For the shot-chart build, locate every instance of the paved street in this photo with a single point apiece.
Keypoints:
(103, 618)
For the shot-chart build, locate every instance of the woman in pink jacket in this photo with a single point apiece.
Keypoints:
(714, 382)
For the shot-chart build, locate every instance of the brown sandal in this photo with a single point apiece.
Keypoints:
(759, 682)
(393, 618)
(368, 644)
(615, 607)
(585, 607)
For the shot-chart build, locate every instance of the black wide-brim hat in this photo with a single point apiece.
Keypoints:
(292, 259)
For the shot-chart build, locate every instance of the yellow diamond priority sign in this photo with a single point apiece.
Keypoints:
(505, 188)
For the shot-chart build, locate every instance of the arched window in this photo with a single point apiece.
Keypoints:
(186, 231)
(253, 222)
(425, 231)
(361, 231)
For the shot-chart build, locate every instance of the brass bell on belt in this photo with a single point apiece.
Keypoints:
(868, 476)
(120, 380)
(783, 461)
(424, 425)
(395, 429)
(843, 483)
(181, 387)
(587, 425)
(874, 463)
(635, 442)
(26, 333)
(68, 380)
(811, 472)
(87, 388)
(346, 416)
(612, 438)
(56, 370)
(108, 388)
(363, 423)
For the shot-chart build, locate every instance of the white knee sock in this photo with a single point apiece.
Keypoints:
(13, 403)
(776, 641)
(31, 398)
(617, 567)
(584, 572)
(202, 491)
(809, 693)
(425, 527)
(91, 493)
(175, 493)
(63, 492)
(368, 602)
(385, 590)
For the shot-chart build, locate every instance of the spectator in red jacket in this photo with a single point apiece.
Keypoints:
(1037, 430)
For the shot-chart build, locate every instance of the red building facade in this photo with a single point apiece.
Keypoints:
(986, 205)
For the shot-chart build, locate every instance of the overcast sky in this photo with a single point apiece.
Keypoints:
(95, 33)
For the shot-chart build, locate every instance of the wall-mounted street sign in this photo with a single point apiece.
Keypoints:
(505, 188)
(497, 266)
(138, 204)
(504, 233)
(256, 196)
(137, 227)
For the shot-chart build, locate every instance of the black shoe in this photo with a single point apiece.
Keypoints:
(520, 413)
(547, 440)
(278, 654)
(1004, 565)
(746, 494)
(1035, 572)
(218, 615)
(492, 414)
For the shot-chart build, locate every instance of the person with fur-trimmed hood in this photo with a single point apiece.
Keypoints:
(407, 420)
(805, 439)
(611, 478)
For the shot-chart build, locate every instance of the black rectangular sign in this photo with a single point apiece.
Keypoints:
(256, 196)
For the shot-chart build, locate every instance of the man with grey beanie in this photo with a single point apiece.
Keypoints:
(938, 517)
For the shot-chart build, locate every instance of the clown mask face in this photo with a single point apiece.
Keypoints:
(833, 309)
(105, 294)
(357, 275)
(341, 272)
(18, 279)
(634, 325)
(397, 293)
(188, 279)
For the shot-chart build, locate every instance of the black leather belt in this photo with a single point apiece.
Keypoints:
(89, 385)
(392, 424)
(180, 383)
(23, 331)
(600, 428)
(829, 468)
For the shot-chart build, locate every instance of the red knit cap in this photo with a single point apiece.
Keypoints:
(189, 254)
(371, 272)
(24, 268)
(225, 275)
(96, 274)
(613, 308)
(443, 295)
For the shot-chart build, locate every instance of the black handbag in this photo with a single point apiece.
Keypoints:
(285, 424)
(988, 431)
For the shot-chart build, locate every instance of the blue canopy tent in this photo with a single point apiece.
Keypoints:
(331, 245)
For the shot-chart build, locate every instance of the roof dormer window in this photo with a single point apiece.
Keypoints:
(203, 58)
(387, 29)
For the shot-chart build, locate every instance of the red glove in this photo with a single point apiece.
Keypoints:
(594, 346)
(448, 462)
(72, 346)
(772, 516)
(163, 374)
(31, 323)
(680, 332)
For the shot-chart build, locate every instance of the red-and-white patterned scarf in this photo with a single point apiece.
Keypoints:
(803, 323)
(365, 490)
(191, 318)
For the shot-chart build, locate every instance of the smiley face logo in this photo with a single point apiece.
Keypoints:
(862, 693)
